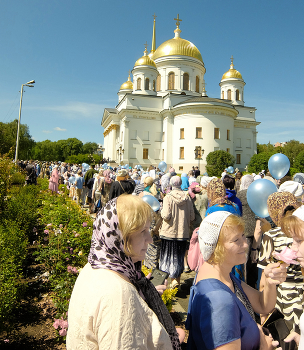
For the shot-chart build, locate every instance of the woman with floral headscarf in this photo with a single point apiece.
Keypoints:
(113, 305)
(290, 293)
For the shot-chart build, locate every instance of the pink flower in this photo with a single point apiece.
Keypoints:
(60, 226)
(77, 235)
(48, 225)
(45, 238)
(56, 324)
(63, 332)
(71, 250)
(287, 255)
(69, 268)
(64, 323)
(46, 231)
(84, 224)
(74, 270)
(6, 340)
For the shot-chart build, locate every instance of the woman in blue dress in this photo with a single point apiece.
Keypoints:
(221, 307)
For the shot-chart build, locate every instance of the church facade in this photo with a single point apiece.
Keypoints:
(166, 115)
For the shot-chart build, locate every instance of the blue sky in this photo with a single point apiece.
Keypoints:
(80, 52)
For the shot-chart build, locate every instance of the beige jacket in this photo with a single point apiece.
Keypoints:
(177, 213)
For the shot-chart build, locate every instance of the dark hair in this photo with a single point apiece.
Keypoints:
(229, 182)
(238, 175)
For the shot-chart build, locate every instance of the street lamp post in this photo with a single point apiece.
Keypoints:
(29, 84)
(198, 152)
(120, 153)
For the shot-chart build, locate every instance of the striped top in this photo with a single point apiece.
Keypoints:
(290, 292)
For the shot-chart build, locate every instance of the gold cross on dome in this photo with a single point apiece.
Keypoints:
(178, 20)
(146, 45)
(154, 16)
(231, 59)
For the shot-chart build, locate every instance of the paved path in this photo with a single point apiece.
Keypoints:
(182, 296)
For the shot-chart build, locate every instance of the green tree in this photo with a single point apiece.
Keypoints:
(299, 162)
(266, 148)
(89, 147)
(259, 162)
(292, 149)
(8, 136)
(217, 161)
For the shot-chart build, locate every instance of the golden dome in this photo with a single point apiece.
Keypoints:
(232, 73)
(145, 60)
(177, 46)
(128, 85)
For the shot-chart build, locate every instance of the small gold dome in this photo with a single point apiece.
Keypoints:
(128, 85)
(232, 73)
(177, 46)
(145, 60)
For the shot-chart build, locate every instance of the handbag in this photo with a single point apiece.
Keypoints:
(276, 325)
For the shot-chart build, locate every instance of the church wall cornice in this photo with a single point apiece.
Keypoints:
(205, 110)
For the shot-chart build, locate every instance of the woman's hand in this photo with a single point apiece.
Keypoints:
(254, 256)
(275, 273)
(293, 336)
(162, 287)
(266, 341)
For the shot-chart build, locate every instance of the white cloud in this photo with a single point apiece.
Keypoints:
(59, 129)
(47, 131)
(76, 110)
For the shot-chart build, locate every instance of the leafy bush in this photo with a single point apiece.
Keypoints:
(299, 162)
(259, 162)
(217, 161)
(18, 178)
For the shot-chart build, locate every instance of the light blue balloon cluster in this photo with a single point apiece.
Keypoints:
(85, 166)
(230, 169)
(257, 195)
(152, 201)
(278, 165)
(162, 166)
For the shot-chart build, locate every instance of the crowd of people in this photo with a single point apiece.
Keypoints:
(204, 224)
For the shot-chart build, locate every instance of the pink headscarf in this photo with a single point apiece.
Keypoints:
(106, 175)
(194, 188)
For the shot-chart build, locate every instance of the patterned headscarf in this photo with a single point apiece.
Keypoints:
(216, 192)
(277, 202)
(246, 181)
(106, 175)
(107, 252)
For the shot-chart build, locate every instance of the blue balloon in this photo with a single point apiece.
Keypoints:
(85, 166)
(162, 166)
(72, 179)
(257, 195)
(230, 169)
(278, 165)
(152, 201)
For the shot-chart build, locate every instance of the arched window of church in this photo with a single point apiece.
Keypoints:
(237, 95)
(223, 95)
(171, 81)
(138, 84)
(147, 82)
(229, 94)
(197, 84)
(158, 79)
(153, 85)
(186, 81)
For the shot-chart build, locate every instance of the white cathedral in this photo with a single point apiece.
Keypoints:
(166, 115)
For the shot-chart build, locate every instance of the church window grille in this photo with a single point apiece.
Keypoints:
(153, 85)
(186, 81)
(197, 80)
(158, 80)
(228, 135)
(238, 159)
(145, 153)
(147, 83)
(171, 78)
(228, 150)
(216, 133)
(237, 95)
(229, 94)
(138, 84)
(163, 139)
(181, 152)
(199, 133)
(182, 133)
